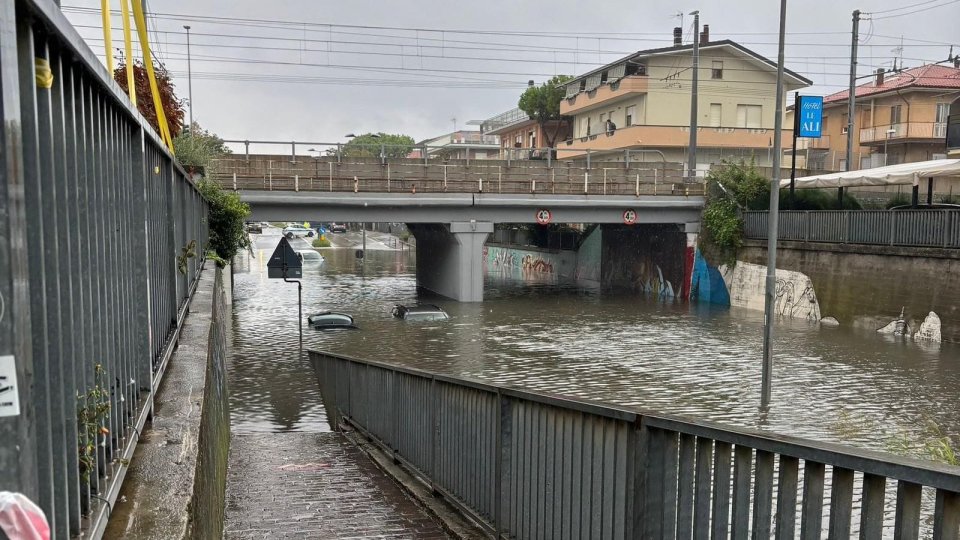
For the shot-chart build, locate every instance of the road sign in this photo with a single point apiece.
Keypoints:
(809, 114)
(359, 253)
(629, 216)
(284, 263)
(544, 217)
(9, 392)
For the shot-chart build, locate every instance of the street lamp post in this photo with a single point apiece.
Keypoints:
(189, 78)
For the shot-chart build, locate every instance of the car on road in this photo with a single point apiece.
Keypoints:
(254, 227)
(309, 257)
(295, 231)
(338, 228)
(420, 312)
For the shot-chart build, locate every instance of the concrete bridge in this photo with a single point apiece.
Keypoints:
(452, 206)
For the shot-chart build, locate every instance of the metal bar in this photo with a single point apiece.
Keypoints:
(841, 501)
(871, 507)
(907, 523)
(685, 492)
(670, 485)
(701, 516)
(721, 491)
(742, 459)
(762, 495)
(787, 489)
(946, 516)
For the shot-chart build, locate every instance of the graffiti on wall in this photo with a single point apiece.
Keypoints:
(795, 296)
(527, 265)
(706, 283)
(792, 302)
(647, 259)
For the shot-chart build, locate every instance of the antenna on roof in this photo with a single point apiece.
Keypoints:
(898, 52)
(679, 15)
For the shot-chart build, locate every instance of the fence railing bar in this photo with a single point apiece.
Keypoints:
(721, 491)
(787, 489)
(742, 463)
(841, 502)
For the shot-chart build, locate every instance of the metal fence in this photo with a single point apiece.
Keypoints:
(921, 228)
(528, 465)
(93, 214)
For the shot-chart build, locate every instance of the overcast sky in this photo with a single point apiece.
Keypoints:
(262, 70)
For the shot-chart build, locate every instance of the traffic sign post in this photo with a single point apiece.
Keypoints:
(285, 263)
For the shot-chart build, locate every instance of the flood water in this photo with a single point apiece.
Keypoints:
(832, 384)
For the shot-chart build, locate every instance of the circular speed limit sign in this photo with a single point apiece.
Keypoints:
(544, 217)
(629, 216)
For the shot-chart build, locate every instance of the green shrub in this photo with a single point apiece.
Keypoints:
(321, 242)
(226, 218)
(949, 199)
(899, 200)
(816, 199)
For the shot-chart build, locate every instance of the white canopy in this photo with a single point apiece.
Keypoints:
(904, 173)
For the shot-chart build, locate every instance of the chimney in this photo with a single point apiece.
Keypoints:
(677, 35)
(705, 35)
(530, 83)
(880, 73)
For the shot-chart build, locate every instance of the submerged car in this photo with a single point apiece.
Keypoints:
(330, 319)
(309, 257)
(420, 312)
(296, 230)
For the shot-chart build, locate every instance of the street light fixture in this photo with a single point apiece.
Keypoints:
(189, 78)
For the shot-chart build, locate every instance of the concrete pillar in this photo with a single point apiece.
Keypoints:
(693, 234)
(450, 258)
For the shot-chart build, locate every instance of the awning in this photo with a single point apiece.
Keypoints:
(904, 173)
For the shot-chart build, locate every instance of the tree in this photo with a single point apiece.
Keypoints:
(197, 149)
(369, 145)
(542, 103)
(172, 105)
(226, 216)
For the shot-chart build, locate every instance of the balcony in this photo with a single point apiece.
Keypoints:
(635, 84)
(504, 120)
(668, 136)
(822, 143)
(902, 131)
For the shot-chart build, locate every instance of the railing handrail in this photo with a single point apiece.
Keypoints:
(903, 468)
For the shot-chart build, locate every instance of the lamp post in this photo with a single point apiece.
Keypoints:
(189, 78)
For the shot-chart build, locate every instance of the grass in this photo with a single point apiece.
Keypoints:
(321, 242)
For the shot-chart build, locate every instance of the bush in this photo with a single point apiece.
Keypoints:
(321, 242)
(899, 200)
(816, 199)
(949, 199)
(226, 218)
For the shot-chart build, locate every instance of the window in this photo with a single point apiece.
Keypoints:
(603, 118)
(895, 114)
(631, 114)
(749, 116)
(603, 77)
(583, 84)
(635, 69)
(533, 139)
(715, 110)
(943, 110)
(588, 126)
(717, 71)
(846, 124)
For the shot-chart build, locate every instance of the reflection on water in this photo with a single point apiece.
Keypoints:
(703, 361)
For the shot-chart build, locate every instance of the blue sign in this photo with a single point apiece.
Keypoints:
(809, 116)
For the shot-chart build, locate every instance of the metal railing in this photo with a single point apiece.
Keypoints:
(94, 213)
(921, 228)
(373, 175)
(528, 465)
(504, 119)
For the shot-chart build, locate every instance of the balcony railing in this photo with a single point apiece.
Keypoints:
(636, 84)
(514, 116)
(668, 137)
(814, 144)
(904, 130)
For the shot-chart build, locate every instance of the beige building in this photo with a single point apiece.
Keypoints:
(900, 118)
(460, 145)
(647, 96)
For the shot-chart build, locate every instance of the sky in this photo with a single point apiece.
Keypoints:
(317, 71)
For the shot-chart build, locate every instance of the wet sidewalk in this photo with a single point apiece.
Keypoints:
(315, 485)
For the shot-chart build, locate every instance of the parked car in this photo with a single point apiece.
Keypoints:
(329, 319)
(420, 312)
(309, 257)
(297, 231)
(338, 228)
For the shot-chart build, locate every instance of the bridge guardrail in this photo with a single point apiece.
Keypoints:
(96, 212)
(917, 228)
(366, 175)
(528, 465)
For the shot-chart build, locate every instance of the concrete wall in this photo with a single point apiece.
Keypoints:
(643, 258)
(450, 258)
(530, 264)
(866, 286)
(746, 284)
(589, 258)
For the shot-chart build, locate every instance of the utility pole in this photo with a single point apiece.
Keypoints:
(189, 79)
(852, 98)
(692, 151)
(770, 301)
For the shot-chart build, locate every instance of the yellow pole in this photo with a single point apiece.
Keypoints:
(128, 50)
(107, 41)
(148, 64)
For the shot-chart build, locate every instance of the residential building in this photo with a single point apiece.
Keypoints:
(521, 137)
(647, 96)
(461, 145)
(900, 117)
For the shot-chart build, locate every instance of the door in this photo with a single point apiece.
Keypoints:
(715, 110)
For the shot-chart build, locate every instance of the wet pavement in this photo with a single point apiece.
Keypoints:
(315, 485)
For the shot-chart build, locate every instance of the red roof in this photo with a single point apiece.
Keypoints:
(928, 76)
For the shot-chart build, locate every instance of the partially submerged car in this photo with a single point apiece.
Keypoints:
(420, 312)
(309, 257)
(330, 319)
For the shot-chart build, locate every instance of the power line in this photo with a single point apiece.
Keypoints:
(916, 10)
(908, 6)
